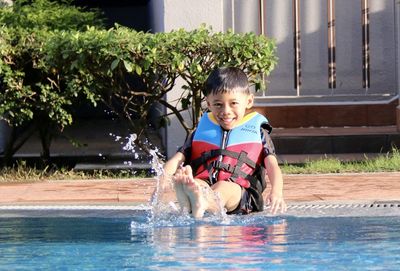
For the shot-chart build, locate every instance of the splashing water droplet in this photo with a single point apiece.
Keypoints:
(158, 208)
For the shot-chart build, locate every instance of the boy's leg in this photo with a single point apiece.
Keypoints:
(222, 195)
(203, 198)
(229, 194)
(182, 197)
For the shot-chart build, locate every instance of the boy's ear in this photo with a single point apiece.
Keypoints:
(208, 103)
(250, 101)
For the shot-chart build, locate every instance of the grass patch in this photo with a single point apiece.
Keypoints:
(24, 173)
(384, 163)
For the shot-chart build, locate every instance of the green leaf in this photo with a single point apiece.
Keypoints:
(181, 66)
(114, 64)
(138, 70)
(128, 66)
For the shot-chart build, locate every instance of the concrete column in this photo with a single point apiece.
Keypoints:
(397, 29)
(168, 15)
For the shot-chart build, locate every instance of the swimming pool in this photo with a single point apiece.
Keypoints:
(128, 239)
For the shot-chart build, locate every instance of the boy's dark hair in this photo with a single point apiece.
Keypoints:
(227, 79)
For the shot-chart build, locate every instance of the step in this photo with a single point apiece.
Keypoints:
(335, 140)
(334, 111)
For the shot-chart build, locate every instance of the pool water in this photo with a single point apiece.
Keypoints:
(254, 242)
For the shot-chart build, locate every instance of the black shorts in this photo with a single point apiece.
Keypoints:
(251, 201)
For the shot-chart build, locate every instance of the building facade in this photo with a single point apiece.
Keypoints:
(338, 59)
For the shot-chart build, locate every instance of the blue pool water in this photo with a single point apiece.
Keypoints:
(255, 242)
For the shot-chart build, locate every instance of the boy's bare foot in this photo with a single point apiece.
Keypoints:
(189, 192)
(196, 197)
(180, 178)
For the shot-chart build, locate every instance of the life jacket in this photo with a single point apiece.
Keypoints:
(235, 155)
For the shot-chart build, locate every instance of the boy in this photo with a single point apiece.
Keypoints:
(222, 164)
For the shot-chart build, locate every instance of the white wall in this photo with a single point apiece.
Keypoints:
(168, 15)
(5, 2)
(188, 14)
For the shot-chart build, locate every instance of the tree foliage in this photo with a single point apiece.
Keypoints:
(131, 71)
(49, 63)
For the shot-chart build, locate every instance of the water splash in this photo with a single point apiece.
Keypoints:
(162, 212)
(163, 181)
(225, 219)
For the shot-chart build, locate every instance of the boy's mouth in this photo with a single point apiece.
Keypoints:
(226, 121)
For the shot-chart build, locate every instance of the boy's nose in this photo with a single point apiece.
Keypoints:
(225, 109)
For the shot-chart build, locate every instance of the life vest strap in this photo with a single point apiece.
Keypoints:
(207, 155)
(235, 171)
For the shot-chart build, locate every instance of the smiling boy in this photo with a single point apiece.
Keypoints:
(226, 161)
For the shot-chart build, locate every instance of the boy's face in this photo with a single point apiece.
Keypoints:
(229, 108)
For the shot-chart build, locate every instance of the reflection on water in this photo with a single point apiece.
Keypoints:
(241, 244)
(205, 243)
(251, 242)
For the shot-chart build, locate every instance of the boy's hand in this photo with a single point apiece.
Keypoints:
(276, 203)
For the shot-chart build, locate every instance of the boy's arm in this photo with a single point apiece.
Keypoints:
(275, 198)
(173, 164)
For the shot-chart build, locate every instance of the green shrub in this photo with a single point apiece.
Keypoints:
(131, 71)
(32, 98)
(48, 15)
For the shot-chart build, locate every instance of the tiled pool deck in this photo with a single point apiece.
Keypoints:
(366, 187)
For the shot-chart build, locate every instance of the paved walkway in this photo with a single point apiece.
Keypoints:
(298, 188)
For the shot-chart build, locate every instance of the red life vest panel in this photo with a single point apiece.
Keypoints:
(234, 155)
